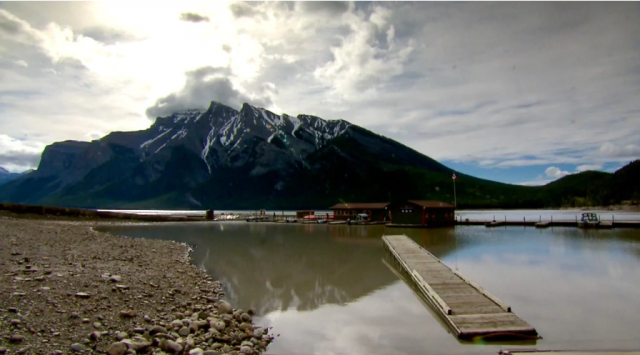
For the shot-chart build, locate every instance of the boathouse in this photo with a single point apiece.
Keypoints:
(378, 211)
(422, 213)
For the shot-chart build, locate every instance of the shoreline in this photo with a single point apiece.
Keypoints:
(67, 288)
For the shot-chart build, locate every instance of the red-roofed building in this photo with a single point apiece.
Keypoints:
(422, 213)
(377, 211)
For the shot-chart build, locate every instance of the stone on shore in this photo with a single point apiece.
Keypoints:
(117, 349)
(83, 310)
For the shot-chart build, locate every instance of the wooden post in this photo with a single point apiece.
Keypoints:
(540, 218)
(551, 218)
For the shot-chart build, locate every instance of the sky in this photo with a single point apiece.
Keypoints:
(522, 92)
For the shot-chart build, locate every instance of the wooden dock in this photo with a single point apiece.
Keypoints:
(466, 307)
(496, 224)
(543, 224)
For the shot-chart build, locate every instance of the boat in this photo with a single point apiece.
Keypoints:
(589, 220)
(361, 218)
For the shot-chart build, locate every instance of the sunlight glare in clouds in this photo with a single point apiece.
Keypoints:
(490, 85)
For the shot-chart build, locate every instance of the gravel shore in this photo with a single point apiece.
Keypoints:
(65, 288)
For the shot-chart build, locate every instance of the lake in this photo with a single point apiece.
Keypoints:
(326, 290)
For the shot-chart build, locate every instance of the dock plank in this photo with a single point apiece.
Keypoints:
(466, 307)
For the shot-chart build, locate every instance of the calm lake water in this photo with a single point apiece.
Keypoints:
(326, 290)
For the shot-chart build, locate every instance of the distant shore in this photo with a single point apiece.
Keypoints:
(619, 208)
(65, 288)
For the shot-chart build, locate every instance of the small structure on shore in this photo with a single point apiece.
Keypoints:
(377, 211)
(416, 213)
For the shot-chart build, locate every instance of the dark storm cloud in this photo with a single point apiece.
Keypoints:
(202, 86)
(193, 17)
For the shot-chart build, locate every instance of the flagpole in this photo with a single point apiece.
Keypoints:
(455, 200)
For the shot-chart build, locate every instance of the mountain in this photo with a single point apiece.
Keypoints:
(221, 158)
(596, 188)
(6, 176)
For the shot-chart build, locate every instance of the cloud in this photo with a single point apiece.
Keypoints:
(555, 172)
(193, 17)
(535, 182)
(332, 8)
(613, 150)
(18, 155)
(241, 9)
(500, 85)
(587, 167)
(362, 64)
(22, 63)
(108, 35)
(94, 135)
(202, 86)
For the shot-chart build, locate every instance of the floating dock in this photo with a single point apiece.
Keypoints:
(467, 308)
(543, 224)
(496, 224)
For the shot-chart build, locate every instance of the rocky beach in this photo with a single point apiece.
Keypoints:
(65, 288)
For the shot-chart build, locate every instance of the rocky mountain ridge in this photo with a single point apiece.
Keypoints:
(222, 158)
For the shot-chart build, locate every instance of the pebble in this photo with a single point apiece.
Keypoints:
(217, 325)
(172, 347)
(115, 278)
(77, 347)
(15, 322)
(158, 329)
(86, 320)
(82, 295)
(3, 350)
(245, 350)
(136, 344)
(97, 325)
(117, 349)
(16, 338)
(196, 351)
(121, 335)
(184, 331)
(258, 332)
(245, 317)
(127, 314)
(147, 319)
(94, 336)
(138, 330)
(224, 307)
(211, 352)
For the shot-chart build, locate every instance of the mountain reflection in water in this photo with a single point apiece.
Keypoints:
(280, 267)
(327, 291)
